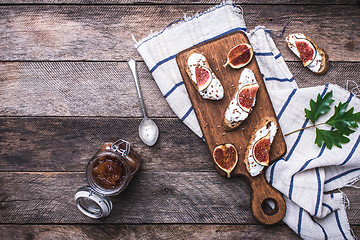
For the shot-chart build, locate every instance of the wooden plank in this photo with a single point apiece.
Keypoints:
(169, 232)
(306, 20)
(77, 89)
(67, 144)
(158, 231)
(87, 32)
(210, 115)
(189, 2)
(64, 88)
(151, 197)
(339, 73)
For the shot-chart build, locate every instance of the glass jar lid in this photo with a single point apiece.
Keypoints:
(92, 204)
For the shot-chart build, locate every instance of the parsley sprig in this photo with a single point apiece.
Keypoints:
(342, 122)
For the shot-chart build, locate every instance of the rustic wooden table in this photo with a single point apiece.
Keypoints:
(65, 88)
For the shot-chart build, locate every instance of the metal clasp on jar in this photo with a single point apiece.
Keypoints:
(121, 146)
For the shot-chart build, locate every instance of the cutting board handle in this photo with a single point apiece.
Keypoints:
(262, 193)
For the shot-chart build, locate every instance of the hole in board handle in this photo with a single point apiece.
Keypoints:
(270, 206)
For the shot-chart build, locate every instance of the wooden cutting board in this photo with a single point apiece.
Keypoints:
(210, 116)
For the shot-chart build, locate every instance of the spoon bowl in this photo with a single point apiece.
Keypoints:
(148, 130)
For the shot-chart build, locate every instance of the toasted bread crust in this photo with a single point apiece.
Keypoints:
(262, 123)
(324, 59)
(229, 126)
(188, 69)
(324, 62)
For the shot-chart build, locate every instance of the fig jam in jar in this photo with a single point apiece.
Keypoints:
(108, 173)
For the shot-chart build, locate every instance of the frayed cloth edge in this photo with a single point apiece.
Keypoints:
(237, 8)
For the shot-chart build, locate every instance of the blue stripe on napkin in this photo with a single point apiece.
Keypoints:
(173, 89)
(187, 113)
(300, 220)
(318, 173)
(286, 103)
(325, 234)
(352, 151)
(162, 62)
(209, 39)
(277, 56)
(297, 140)
(263, 53)
(307, 163)
(319, 191)
(279, 79)
(302, 131)
(302, 169)
(328, 206)
(339, 224)
(341, 175)
(338, 220)
(295, 144)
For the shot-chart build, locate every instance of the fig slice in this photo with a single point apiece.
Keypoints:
(306, 49)
(225, 157)
(261, 150)
(203, 77)
(239, 56)
(246, 96)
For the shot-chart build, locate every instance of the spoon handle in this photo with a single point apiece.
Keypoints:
(132, 65)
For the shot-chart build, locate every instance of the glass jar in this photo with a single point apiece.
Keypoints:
(108, 173)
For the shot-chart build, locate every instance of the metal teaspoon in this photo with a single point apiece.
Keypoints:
(148, 131)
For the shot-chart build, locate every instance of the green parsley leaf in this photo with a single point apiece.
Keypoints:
(344, 120)
(320, 107)
(330, 138)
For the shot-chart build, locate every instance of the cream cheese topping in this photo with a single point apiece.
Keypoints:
(255, 168)
(215, 90)
(234, 113)
(315, 65)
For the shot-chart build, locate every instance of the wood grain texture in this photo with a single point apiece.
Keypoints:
(87, 32)
(157, 231)
(68, 58)
(151, 197)
(339, 73)
(96, 88)
(210, 115)
(77, 89)
(67, 144)
(188, 2)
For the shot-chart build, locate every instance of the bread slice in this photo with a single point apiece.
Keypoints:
(320, 64)
(188, 68)
(234, 114)
(215, 90)
(324, 62)
(229, 126)
(266, 125)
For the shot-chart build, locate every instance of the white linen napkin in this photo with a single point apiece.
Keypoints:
(306, 172)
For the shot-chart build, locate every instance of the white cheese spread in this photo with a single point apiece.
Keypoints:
(255, 168)
(290, 40)
(215, 90)
(234, 113)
